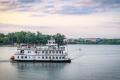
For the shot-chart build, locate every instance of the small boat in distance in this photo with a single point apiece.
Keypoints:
(49, 53)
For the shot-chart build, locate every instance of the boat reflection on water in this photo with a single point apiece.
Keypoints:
(39, 71)
(39, 66)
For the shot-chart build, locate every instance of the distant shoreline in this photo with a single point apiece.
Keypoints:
(8, 46)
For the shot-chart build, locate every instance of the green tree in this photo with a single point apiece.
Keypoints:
(30, 37)
(59, 39)
(1, 37)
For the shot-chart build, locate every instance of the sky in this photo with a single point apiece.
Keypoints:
(73, 18)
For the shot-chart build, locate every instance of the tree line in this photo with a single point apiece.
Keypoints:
(41, 39)
(29, 38)
(97, 41)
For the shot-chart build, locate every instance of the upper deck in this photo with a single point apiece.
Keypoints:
(41, 48)
(51, 45)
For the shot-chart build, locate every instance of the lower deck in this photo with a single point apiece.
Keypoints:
(41, 57)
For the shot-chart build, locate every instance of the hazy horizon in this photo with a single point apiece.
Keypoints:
(73, 18)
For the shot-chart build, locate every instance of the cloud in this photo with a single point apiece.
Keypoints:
(95, 25)
(59, 6)
(5, 28)
(77, 17)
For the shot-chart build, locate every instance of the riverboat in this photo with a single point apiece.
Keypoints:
(51, 52)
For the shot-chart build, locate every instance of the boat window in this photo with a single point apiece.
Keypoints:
(22, 51)
(21, 56)
(59, 51)
(35, 51)
(56, 57)
(53, 57)
(25, 56)
(63, 57)
(56, 51)
(18, 57)
(46, 57)
(59, 57)
(42, 51)
(29, 51)
(43, 57)
(49, 51)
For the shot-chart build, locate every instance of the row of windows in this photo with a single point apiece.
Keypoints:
(22, 51)
(52, 51)
(44, 57)
(48, 54)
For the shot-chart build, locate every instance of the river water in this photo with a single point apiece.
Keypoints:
(90, 62)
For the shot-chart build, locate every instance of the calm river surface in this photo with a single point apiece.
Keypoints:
(90, 62)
